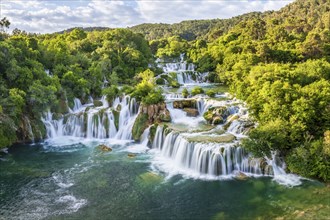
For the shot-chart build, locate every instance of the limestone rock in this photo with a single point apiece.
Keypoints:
(216, 115)
(241, 176)
(192, 112)
(104, 148)
(181, 104)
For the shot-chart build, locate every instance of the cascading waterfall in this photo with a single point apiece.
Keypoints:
(186, 73)
(95, 122)
(214, 159)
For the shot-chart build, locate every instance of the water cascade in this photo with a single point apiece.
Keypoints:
(213, 159)
(95, 122)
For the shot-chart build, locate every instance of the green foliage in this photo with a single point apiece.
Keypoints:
(146, 90)
(185, 93)
(211, 93)
(155, 96)
(7, 131)
(111, 92)
(140, 124)
(160, 81)
(197, 90)
(310, 160)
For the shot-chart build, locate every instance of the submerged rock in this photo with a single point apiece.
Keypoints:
(241, 176)
(131, 155)
(104, 148)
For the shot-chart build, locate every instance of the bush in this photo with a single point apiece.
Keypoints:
(197, 90)
(126, 90)
(111, 92)
(211, 93)
(310, 160)
(160, 81)
(175, 84)
(154, 97)
(185, 93)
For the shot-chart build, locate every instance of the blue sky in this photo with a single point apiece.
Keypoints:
(47, 16)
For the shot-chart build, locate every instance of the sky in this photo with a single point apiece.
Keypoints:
(48, 16)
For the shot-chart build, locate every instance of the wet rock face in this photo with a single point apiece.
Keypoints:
(216, 115)
(149, 114)
(157, 113)
(181, 104)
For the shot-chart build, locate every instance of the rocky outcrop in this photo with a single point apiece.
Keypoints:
(149, 115)
(156, 113)
(192, 112)
(181, 104)
(216, 115)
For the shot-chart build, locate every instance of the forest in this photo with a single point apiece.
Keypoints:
(276, 61)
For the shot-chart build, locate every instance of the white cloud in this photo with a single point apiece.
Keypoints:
(51, 15)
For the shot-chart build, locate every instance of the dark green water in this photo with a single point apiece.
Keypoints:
(81, 182)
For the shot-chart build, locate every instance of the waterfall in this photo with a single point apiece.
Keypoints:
(214, 159)
(95, 122)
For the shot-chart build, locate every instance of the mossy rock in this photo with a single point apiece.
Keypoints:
(104, 148)
(116, 118)
(217, 120)
(140, 124)
(181, 104)
(226, 138)
(149, 179)
(97, 103)
(165, 116)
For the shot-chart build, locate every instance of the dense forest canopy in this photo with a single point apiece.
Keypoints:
(278, 62)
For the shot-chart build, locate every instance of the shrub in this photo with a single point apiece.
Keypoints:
(111, 92)
(185, 93)
(211, 93)
(197, 90)
(175, 84)
(155, 96)
(160, 81)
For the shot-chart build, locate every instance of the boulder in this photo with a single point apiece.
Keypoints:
(216, 115)
(104, 148)
(165, 116)
(192, 112)
(131, 155)
(241, 176)
(181, 104)
(97, 103)
(217, 120)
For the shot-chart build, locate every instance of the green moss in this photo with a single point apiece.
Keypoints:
(97, 103)
(116, 117)
(140, 124)
(7, 131)
(226, 138)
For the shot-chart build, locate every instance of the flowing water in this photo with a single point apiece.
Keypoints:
(190, 170)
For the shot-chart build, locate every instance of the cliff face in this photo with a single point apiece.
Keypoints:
(149, 114)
